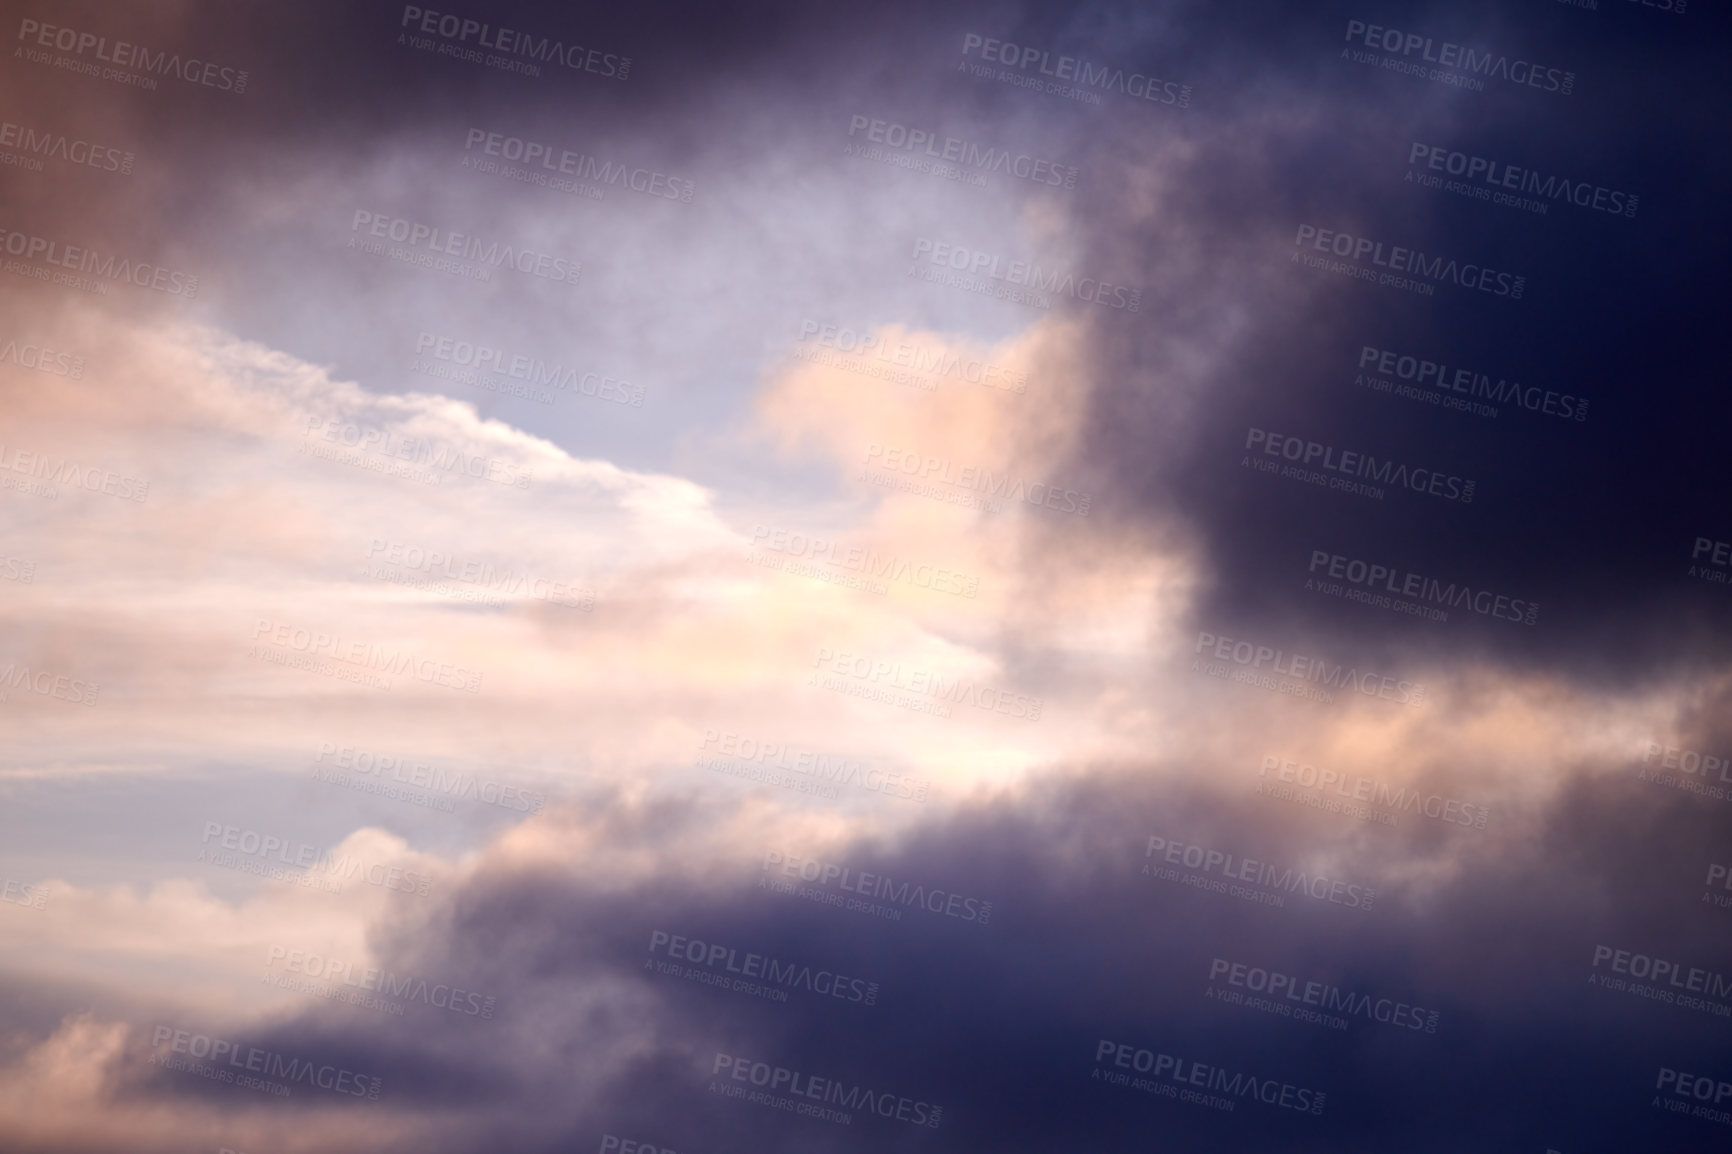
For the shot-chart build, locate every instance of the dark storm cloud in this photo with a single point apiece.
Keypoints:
(1490, 936)
(329, 83)
(1594, 519)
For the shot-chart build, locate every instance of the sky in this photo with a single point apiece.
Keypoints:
(923, 577)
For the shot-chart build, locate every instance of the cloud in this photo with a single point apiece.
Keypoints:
(797, 588)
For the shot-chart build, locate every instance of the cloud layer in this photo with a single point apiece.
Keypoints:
(984, 577)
